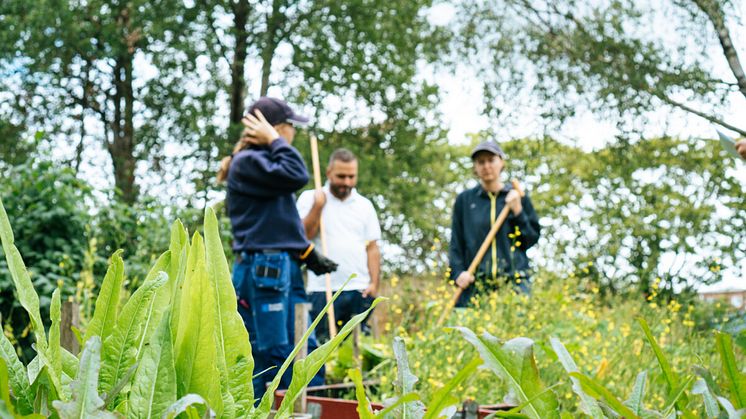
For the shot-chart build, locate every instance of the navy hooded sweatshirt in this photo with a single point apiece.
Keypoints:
(262, 182)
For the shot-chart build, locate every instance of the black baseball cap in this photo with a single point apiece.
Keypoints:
(490, 146)
(277, 111)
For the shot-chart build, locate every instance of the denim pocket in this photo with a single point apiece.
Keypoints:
(271, 271)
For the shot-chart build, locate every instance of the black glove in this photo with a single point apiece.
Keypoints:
(318, 263)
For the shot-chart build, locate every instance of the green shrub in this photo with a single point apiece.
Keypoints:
(48, 206)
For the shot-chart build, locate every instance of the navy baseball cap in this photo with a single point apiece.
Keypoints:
(490, 146)
(277, 111)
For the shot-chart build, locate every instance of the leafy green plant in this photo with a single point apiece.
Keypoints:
(176, 347)
(48, 206)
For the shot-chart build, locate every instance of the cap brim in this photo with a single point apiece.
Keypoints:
(487, 149)
(299, 120)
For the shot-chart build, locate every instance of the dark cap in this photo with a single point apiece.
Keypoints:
(277, 111)
(490, 146)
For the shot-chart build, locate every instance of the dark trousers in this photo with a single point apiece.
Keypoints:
(268, 285)
(346, 306)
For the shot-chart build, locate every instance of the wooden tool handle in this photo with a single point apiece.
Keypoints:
(327, 278)
(482, 250)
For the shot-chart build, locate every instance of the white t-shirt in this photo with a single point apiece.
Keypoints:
(348, 227)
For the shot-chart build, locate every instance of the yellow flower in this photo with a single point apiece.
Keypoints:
(602, 368)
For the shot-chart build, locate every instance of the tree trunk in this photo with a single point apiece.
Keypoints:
(122, 147)
(715, 14)
(241, 12)
(275, 25)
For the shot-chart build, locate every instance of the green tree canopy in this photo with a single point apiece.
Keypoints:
(659, 208)
(618, 58)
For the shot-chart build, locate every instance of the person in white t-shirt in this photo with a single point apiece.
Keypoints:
(351, 231)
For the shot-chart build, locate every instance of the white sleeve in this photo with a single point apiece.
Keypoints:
(304, 203)
(372, 227)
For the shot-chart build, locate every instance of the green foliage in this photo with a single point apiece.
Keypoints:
(48, 206)
(15, 147)
(305, 369)
(514, 363)
(629, 215)
(602, 334)
(617, 58)
(588, 405)
(736, 380)
(86, 401)
(154, 386)
(143, 367)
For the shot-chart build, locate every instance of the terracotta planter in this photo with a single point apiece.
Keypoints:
(333, 408)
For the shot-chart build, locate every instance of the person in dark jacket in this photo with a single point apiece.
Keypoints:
(269, 240)
(474, 213)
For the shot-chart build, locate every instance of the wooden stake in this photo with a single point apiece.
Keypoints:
(328, 278)
(70, 318)
(301, 325)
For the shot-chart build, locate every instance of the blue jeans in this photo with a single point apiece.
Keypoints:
(346, 306)
(268, 284)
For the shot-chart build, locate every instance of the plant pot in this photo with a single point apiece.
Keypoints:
(294, 415)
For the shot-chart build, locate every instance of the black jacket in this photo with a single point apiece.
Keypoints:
(470, 225)
(262, 182)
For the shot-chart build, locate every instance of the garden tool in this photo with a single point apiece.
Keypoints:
(482, 250)
(328, 279)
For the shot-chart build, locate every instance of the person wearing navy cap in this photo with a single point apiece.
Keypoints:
(474, 213)
(269, 239)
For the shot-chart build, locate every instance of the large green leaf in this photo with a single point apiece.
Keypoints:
(515, 363)
(442, 398)
(51, 376)
(706, 386)
(635, 401)
(305, 369)
(154, 386)
(6, 406)
(184, 404)
(735, 379)
(18, 377)
(197, 368)
(672, 379)
(160, 301)
(587, 403)
(107, 303)
(54, 351)
(669, 408)
(234, 349)
(120, 350)
(177, 271)
(405, 382)
(363, 405)
(598, 391)
(43, 390)
(86, 402)
(21, 280)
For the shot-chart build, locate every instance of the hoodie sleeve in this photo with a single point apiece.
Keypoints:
(276, 170)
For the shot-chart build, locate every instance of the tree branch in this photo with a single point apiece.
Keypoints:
(221, 47)
(715, 14)
(701, 114)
